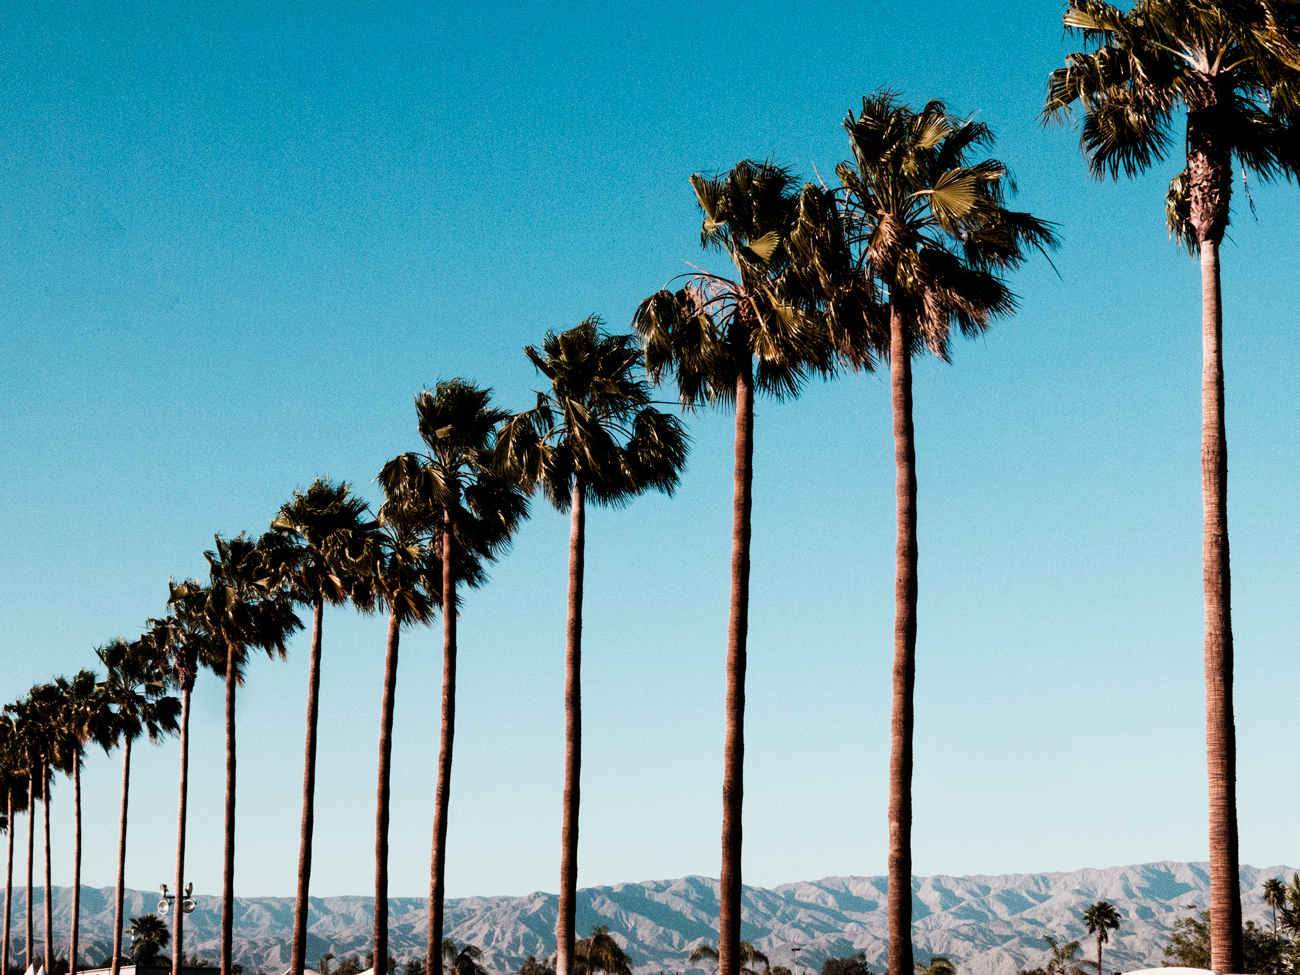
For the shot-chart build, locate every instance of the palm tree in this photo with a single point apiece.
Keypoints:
(1275, 896)
(31, 744)
(240, 610)
(325, 539)
(474, 509)
(13, 777)
(134, 686)
(1233, 67)
(82, 717)
(461, 961)
(593, 436)
(723, 340)
(749, 957)
(939, 965)
(149, 935)
(1063, 960)
(703, 952)
(600, 953)
(1101, 918)
(44, 703)
(931, 229)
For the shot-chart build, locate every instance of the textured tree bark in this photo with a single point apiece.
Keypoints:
(228, 868)
(178, 932)
(49, 886)
(74, 935)
(564, 923)
(297, 959)
(899, 893)
(121, 856)
(384, 793)
(733, 760)
(1220, 731)
(9, 879)
(438, 867)
(31, 852)
(1099, 935)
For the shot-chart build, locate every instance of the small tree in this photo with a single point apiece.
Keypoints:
(852, 965)
(149, 935)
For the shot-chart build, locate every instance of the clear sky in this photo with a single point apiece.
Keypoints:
(238, 238)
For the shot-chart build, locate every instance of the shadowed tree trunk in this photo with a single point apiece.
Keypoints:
(905, 590)
(564, 924)
(439, 866)
(297, 960)
(74, 937)
(733, 760)
(383, 795)
(49, 887)
(228, 865)
(31, 852)
(9, 878)
(178, 933)
(121, 855)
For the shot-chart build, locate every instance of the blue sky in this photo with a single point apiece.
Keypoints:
(239, 238)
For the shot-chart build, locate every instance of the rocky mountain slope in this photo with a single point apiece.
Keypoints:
(988, 925)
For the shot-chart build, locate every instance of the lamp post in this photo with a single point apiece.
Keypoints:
(165, 899)
(796, 949)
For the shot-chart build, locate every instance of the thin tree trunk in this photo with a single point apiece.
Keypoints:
(382, 797)
(438, 867)
(74, 938)
(228, 865)
(49, 886)
(899, 895)
(31, 853)
(1099, 971)
(297, 960)
(8, 882)
(121, 855)
(733, 757)
(178, 921)
(564, 922)
(1220, 732)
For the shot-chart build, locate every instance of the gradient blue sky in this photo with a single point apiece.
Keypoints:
(239, 237)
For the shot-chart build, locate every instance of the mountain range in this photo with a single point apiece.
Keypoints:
(988, 925)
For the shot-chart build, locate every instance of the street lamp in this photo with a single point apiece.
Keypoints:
(165, 899)
(796, 949)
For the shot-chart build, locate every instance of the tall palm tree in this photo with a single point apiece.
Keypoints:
(594, 436)
(1233, 67)
(31, 747)
(44, 703)
(182, 647)
(325, 541)
(82, 717)
(1101, 918)
(474, 509)
(600, 953)
(1064, 960)
(13, 776)
(723, 340)
(239, 609)
(1274, 897)
(134, 686)
(931, 229)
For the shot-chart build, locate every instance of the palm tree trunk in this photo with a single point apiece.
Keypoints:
(301, 905)
(733, 756)
(382, 798)
(228, 865)
(899, 893)
(564, 922)
(31, 853)
(49, 887)
(438, 868)
(1220, 732)
(8, 882)
(74, 938)
(1099, 971)
(178, 931)
(121, 855)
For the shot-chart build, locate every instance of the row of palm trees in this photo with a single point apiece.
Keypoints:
(916, 240)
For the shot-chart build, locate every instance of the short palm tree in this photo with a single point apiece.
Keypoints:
(1274, 897)
(83, 716)
(704, 953)
(600, 953)
(240, 610)
(1064, 960)
(929, 226)
(463, 960)
(326, 539)
(474, 508)
(1233, 67)
(149, 935)
(723, 340)
(939, 965)
(13, 782)
(750, 956)
(1100, 919)
(594, 436)
(134, 688)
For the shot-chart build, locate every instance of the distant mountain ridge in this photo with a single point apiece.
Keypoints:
(987, 925)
